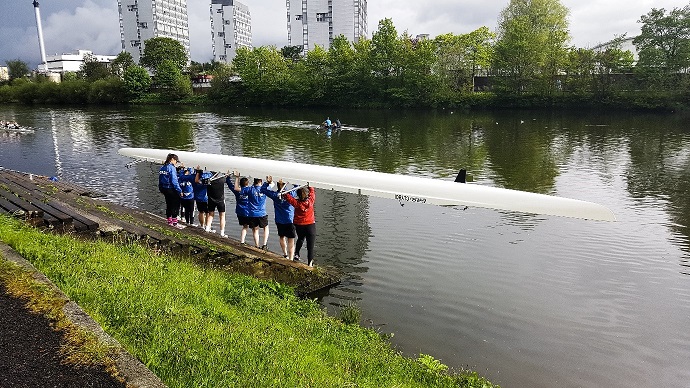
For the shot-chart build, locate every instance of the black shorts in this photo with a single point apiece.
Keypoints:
(202, 207)
(261, 222)
(212, 206)
(286, 230)
(242, 220)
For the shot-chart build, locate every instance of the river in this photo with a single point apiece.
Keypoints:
(526, 300)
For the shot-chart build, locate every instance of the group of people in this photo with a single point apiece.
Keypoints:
(328, 124)
(294, 208)
(9, 125)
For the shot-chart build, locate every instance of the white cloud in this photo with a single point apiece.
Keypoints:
(88, 27)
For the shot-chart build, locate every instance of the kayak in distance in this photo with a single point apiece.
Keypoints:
(402, 188)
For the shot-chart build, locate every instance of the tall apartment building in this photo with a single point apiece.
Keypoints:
(231, 28)
(145, 19)
(317, 22)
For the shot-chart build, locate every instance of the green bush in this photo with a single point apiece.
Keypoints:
(107, 91)
(74, 91)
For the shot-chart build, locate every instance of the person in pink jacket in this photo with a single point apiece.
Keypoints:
(304, 220)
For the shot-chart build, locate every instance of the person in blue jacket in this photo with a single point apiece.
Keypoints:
(170, 187)
(284, 213)
(186, 179)
(258, 219)
(241, 203)
(201, 182)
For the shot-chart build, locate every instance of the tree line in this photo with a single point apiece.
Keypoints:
(526, 62)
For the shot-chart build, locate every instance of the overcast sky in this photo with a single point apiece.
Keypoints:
(93, 24)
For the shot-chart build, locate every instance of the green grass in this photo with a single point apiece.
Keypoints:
(200, 327)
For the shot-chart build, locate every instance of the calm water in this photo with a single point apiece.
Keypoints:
(528, 301)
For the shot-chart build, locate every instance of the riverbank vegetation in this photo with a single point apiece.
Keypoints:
(527, 62)
(200, 327)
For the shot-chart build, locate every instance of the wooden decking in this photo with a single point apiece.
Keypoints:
(67, 208)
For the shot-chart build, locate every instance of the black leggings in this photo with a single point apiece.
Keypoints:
(308, 232)
(172, 202)
(188, 210)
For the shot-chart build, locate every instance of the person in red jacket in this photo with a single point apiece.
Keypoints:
(305, 223)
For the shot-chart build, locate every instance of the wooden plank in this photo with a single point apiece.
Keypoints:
(12, 209)
(32, 210)
(38, 202)
(78, 218)
(44, 184)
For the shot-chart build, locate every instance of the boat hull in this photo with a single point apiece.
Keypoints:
(384, 185)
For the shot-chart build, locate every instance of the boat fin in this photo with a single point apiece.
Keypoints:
(462, 176)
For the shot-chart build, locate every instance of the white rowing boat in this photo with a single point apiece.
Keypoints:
(399, 187)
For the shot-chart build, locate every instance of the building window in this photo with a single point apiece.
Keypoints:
(298, 17)
(135, 43)
(132, 8)
(144, 25)
(228, 45)
(320, 17)
(221, 33)
(220, 10)
(226, 21)
(222, 57)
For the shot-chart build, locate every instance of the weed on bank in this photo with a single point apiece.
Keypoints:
(200, 327)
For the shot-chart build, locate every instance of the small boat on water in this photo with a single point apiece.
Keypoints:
(335, 125)
(12, 126)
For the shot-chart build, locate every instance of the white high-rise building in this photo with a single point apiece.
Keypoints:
(145, 19)
(317, 22)
(231, 28)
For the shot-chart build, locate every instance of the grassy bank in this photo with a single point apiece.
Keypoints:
(197, 327)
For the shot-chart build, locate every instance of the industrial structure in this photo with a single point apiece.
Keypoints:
(231, 28)
(72, 62)
(145, 19)
(42, 67)
(317, 22)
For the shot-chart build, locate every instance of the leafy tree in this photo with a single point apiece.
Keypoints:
(197, 68)
(386, 51)
(224, 85)
(531, 45)
(107, 91)
(136, 81)
(580, 70)
(664, 40)
(160, 49)
(69, 76)
(293, 53)
(121, 63)
(74, 90)
(91, 70)
(462, 57)
(264, 73)
(311, 75)
(170, 81)
(612, 60)
(343, 86)
(17, 69)
(416, 80)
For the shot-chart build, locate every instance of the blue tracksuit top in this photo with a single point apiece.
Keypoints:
(200, 188)
(257, 200)
(283, 210)
(167, 178)
(241, 200)
(186, 182)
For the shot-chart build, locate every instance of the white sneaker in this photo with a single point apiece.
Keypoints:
(223, 235)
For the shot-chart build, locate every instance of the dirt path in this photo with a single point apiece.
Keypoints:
(29, 352)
